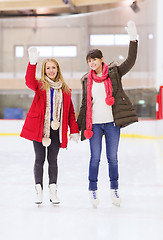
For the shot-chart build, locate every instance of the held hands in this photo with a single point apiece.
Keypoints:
(131, 30)
(33, 55)
(75, 137)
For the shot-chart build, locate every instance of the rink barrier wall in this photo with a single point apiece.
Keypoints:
(145, 129)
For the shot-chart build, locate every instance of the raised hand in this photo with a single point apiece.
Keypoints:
(131, 30)
(33, 55)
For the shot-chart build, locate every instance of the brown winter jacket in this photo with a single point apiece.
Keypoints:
(123, 111)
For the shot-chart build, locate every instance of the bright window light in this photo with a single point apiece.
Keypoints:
(44, 51)
(19, 51)
(141, 102)
(121, 57)
(57, 51)
(150, 36)
(122, 39)
(65, 51)
(101, 39)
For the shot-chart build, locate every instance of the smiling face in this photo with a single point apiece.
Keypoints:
(51, 70)
(95, 64)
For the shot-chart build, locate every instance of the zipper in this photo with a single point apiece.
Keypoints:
(44, 110)
(43, 99)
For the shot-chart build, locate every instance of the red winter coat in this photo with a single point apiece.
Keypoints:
(33, 125)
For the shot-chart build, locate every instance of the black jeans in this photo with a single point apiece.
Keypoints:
(52, 154)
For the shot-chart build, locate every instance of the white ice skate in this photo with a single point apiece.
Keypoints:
(53, 194)
(39, 194)
(94, 198)
(115, 197)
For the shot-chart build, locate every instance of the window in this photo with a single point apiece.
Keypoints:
(121, 39)
(109, 39)
(57, 51)
(102, 39)
(19, 51)
(44, 51)
(65, 51)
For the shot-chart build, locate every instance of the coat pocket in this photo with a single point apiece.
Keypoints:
(124, 103)
(33, 122)
(33, 114)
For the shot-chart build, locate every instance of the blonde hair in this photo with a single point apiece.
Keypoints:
(58, 77)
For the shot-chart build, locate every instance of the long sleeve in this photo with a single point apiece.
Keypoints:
(72, 120)
(130, 61)
(82, 111)
(30, 79)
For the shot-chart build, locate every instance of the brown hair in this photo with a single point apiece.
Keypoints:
(94, 53)
(58, 77)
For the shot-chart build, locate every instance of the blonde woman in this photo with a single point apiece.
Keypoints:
(47, 121)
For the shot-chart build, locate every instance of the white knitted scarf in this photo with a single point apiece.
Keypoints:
(57, 102)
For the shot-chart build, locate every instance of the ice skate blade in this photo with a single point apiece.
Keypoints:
(55, 203)
(116, 204)
(38, 204)
(95, 204)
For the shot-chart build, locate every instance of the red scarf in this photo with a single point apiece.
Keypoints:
(88, 133)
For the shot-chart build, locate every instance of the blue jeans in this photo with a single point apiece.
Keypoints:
(112, 135)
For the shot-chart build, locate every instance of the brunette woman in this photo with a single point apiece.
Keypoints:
(105, 109)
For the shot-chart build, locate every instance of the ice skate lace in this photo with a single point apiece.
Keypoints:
(94, 194)
(116, 193)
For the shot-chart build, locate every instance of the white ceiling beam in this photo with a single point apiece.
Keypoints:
(95, 2)
(34, 4)
(30, 4)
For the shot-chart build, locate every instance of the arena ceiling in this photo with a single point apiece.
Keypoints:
(12, 8)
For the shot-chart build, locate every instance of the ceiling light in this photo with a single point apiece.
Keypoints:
(65, 1)
(135, 7)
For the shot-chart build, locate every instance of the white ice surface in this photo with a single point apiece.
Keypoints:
(140, 216)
